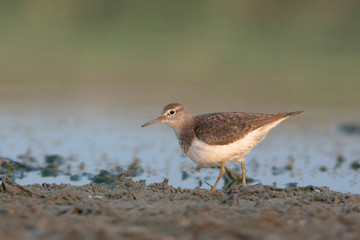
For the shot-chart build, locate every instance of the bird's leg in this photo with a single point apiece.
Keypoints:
(198, 168)
(222, 171)
(243, 173)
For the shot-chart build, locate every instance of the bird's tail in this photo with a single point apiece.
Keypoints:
(294, 113)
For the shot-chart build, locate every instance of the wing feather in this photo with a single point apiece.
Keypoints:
(225, 128)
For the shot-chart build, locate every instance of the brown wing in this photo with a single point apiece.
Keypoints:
(225, 128)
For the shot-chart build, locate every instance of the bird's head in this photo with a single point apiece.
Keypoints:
(174, 115)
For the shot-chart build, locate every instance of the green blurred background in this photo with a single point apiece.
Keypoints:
(225, 55)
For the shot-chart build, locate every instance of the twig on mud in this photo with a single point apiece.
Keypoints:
(13, 188)
(208, 183)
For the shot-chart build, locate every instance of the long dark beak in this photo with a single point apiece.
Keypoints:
(159, 119)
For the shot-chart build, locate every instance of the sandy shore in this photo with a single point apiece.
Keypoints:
(132, 210)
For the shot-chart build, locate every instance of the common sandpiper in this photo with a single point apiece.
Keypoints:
(216, 139)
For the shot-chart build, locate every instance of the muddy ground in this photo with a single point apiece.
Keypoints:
(132, 210)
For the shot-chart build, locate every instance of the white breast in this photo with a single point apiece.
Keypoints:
(206, 155)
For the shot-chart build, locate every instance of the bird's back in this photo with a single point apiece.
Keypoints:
(225, 128)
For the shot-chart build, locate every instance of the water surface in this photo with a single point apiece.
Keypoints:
(303, 150)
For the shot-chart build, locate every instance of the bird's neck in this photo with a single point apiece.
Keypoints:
(185, 135)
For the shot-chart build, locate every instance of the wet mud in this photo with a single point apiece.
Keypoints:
(128, 209)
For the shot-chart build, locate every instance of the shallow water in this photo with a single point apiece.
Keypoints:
(91, 141)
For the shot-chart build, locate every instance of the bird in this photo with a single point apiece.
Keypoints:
(213, 140)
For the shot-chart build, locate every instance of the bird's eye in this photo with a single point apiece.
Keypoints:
(172, 112)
